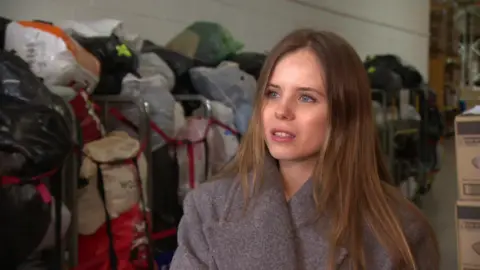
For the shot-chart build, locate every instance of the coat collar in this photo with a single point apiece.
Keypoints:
(271, 222)
(301, 205)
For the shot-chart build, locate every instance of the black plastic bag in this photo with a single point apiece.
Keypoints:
(387, 61)
(113, 55)
(250, 62)
(384, 79)
(4, 22)
(34, 129)
(116, 59)
(25, 218)
(178, 63)
(411, 78)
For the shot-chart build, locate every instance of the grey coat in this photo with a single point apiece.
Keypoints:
(217, 234)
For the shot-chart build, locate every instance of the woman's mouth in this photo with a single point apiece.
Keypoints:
(282, 136)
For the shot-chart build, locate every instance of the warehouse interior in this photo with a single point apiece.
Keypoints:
(435, 53)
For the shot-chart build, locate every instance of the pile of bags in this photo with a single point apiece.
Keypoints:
(35, 140)
(199, 88)
(389, 76)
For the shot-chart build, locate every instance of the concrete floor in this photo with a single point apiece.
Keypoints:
(439, 206)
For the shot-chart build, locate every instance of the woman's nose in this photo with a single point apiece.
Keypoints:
(284, 111)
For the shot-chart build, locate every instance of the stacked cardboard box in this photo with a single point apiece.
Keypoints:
(467, 136)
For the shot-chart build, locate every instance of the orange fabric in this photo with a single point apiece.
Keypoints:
(83, 57)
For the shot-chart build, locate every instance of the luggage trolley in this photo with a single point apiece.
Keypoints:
(382, 129)
(411, 129)
(165, 243)
(144, 131)
(68, 195)
(106, 103)
(204, 102)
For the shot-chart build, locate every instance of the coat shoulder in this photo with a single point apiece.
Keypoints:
(415, 224)
(420, 236)
(418, 232)
(213, 198)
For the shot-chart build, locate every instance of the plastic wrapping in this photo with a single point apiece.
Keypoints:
(180, 64)
(102, 28)
(207, 41)
(384, 79)
(3, 28)
(229, 142)
(33, 122)
(226, 84)
(250, 62)
(52, 54)
(243, 114)
(161, 106)
(409, 76)
(34, 139)
(198, 162)
(25, 219)
(192, 159)
(116, 58)
(155, 71)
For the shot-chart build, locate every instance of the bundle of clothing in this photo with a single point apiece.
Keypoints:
(35, 141)
(199, 88)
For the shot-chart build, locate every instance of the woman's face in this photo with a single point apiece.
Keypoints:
(295, 107)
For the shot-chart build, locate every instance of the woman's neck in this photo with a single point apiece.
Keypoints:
(295, 174)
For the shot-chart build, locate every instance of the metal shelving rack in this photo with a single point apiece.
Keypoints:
(143, 135)
(382, 129)
(467, 19)
(392, 128)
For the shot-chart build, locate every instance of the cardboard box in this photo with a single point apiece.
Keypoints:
(468, 234)
(471, 97)
(467, 144)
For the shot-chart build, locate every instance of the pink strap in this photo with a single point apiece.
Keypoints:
(41, 188)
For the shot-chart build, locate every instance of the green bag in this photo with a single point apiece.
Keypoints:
(206, 41)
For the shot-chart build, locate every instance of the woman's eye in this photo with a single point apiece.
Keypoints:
(305, 98)
(271, 94)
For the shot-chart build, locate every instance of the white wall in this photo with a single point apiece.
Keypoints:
(372, 26)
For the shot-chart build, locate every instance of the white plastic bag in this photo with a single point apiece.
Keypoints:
(160, 101)
(103, 28)
(52, 54)
(191, 156)
(226, 116)
(154, 72)
(226, 83)
(198, 162)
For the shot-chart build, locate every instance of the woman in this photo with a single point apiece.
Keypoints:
(308, 188)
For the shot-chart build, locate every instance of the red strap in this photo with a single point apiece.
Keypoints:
(212, 121)
(119, 116)
(191, 165)
(164, 234)
(40, 186)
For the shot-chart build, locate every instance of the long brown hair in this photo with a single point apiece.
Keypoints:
(350, 179)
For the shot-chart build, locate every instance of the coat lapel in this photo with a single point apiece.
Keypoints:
(312, 250)
(264, 236)
(259, 237)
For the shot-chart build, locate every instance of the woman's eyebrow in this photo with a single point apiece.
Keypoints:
(311, 90)
(307, 89)
(273, 85)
